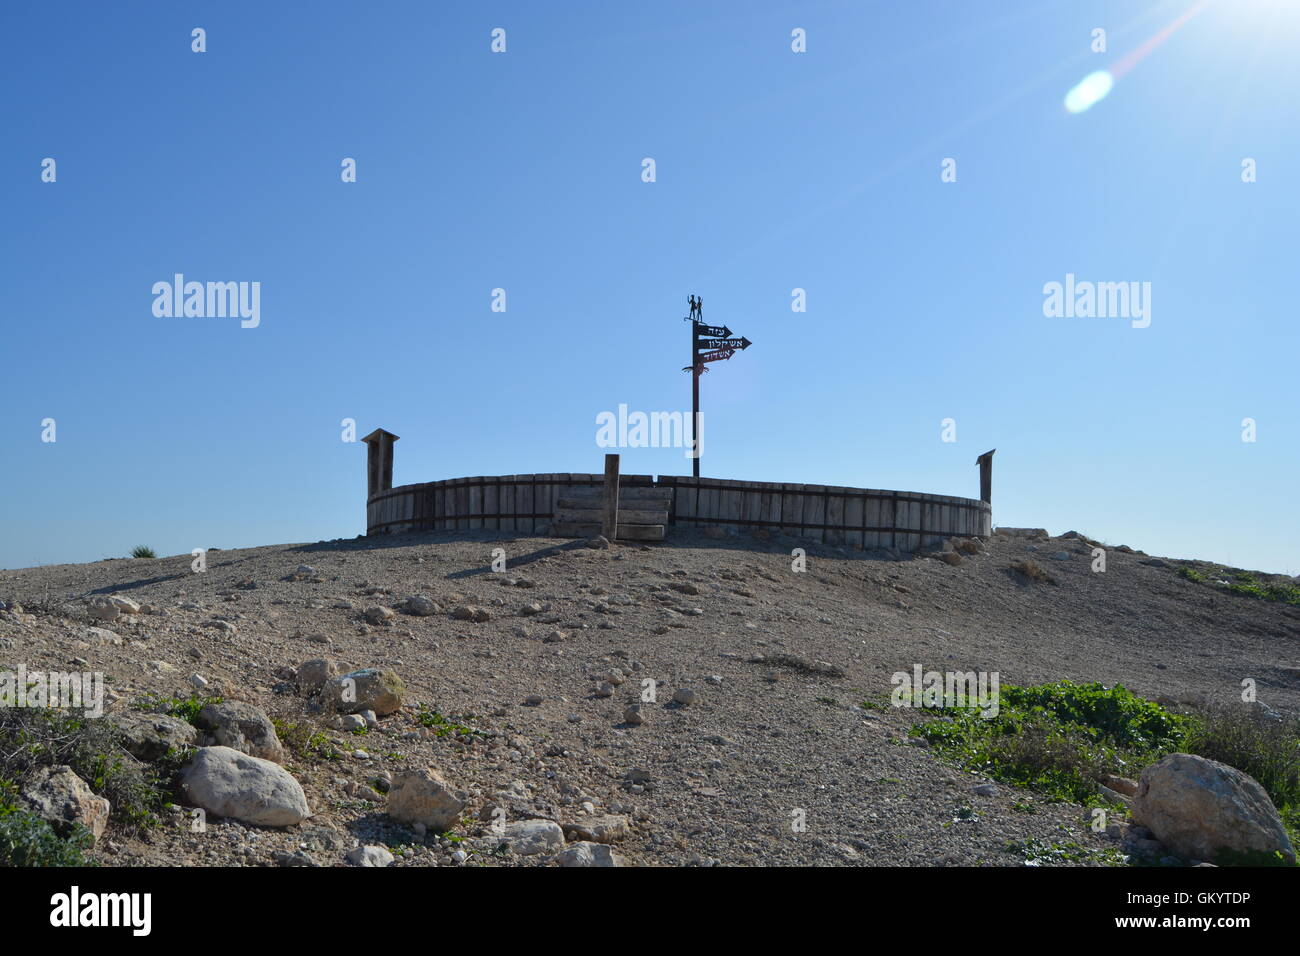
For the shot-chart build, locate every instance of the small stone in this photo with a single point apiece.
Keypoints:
(530, 837)
(468, 612)
(370, 856)
(420, 606)
(588, 854)
(684, 696)
(380, 615)
(368, 689)
(604, 829)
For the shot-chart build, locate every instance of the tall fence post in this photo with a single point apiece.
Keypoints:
(609, 522)
(379, 461)
(985, 461)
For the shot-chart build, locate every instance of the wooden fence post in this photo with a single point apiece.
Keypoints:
(609, 522)
(379, 461)
(985, 461)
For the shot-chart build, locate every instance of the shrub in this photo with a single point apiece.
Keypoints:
(143, 551)
(1032, 571)
(31, 739)
(1058, 738)
(1265, 747)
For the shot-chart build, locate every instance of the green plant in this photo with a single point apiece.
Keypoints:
(186, 708)
(1061, 738)
(445, 726)
(1037, 852)
(304, 740)
(142, 551)
(1246, 584)
(1058, 738)
(28, 840)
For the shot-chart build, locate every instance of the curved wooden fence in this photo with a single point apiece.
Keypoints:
(853, 517)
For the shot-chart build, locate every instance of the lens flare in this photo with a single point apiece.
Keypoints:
(1094, 87)
(1091, 90)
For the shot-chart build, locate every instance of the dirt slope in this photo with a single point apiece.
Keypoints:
(720, 780)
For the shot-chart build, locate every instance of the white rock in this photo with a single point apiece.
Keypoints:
(60, 796)
(530, 837)
(370, 856)
(242, 727)
(228, 783)
(1198, 808)
(422, 796)
(588, 854)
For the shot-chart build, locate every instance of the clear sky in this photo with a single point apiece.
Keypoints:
(523, 170)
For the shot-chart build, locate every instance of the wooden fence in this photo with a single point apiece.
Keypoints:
(853, 517)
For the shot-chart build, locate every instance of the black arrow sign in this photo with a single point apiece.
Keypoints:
(740, 343)
(717, 356)
(720, 346)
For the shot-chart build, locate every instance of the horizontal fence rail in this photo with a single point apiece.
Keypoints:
(854, 517)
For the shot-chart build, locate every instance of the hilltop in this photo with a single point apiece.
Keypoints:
(785, 678)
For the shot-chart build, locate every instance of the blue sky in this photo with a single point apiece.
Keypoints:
(522, 170)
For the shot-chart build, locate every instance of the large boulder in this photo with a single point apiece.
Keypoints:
(242, 727)
(421, 796)
(228, 783)
(149, 737)
(1205, 810)
(61, 797)
(369, 689)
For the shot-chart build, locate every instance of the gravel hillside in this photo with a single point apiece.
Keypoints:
(779, 662)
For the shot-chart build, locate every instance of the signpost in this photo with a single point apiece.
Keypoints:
(709, 343)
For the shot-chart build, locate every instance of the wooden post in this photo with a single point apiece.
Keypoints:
(985, 461)
(609, 521)
(379, 461)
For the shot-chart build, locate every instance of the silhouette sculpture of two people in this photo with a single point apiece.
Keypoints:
(697, 307)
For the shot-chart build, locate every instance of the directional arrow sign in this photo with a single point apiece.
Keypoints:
(741, 343)
(709, 343)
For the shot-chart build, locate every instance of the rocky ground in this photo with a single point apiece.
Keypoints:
(766, 756)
